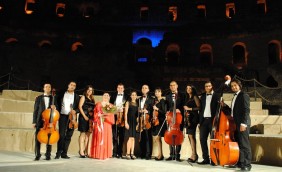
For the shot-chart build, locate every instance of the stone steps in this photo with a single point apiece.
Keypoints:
(28, 95)
(9, 105)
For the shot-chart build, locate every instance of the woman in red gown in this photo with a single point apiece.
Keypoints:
(101, 144)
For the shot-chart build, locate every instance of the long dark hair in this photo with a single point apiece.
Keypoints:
(194, 91)
(92, 95)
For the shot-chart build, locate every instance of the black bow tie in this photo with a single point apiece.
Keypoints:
(119, 94)
(46, 96)
(209, 94)
(235, 94)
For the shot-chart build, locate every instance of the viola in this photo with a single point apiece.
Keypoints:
(155, 118)
(72, 119)
(174, 136)
(48, 134)
(223, 149)
(187, 118)
(91, 116)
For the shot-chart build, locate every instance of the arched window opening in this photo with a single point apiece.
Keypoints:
(172, 53)
(76, 47)
(261, 6)
(206, 56)
(144, 13)
(201, 11)
(230, 10)
(172, 14)
(143, 50)
(239, 55)
(29, 6)
(274, 52)
(44, 44)
(60, 9)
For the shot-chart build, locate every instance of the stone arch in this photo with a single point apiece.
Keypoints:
(44, 44)
(206, 55)
(77, 46)
(239, 56)
(172, 53)
(274, 52)
(11, 40)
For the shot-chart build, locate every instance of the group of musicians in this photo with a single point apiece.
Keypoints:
(145, 121)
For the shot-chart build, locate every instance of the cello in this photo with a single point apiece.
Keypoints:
(223, 148)
(173, 135)
(48, 134)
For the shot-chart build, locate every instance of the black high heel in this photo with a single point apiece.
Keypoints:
(81, 156)
(193, 160)
(159, 159)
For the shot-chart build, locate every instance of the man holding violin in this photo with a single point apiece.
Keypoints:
(68, 103)
(146, 103)
(118, 99)
(42, 102)
(175, 99)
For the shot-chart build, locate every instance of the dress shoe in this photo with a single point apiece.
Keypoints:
(170, 158)
(118, 156)
(204, 162)
(37, 158)
(212, 163)
(178, 159)
(57, 157)
(48, 158)
(159, 159)
(65, 157)
(246, 168)
(148, 157)
(132, 157)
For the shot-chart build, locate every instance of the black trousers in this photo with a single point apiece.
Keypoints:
(205, 130)
(118, 139)
(245, 154)
(146, 143)
(38, 146)
(65, 135)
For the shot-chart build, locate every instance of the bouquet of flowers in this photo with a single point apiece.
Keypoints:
(109, 108)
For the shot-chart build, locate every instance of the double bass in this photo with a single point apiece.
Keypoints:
(173, 135)
(223, 149)
(48, 134)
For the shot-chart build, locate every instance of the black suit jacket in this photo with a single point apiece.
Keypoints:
(113, 98)
(39, 107)
(213, 106)
(241, 109)
(74, 104)
(180, 101)
(149, 103)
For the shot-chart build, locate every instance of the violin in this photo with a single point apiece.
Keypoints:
(90, 121)
(223, 149)
(173, 135)
(155, 119)
(72, 119)
(120, 118)
(143, 122)
(48, 134)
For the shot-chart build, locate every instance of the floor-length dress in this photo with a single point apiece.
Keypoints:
(101, 144)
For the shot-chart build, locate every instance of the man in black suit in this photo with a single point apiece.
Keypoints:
(68, 103)
(146, 103)
(179, 97)
(209, 104)
(118, 99)
(42, 102)
(240, 110)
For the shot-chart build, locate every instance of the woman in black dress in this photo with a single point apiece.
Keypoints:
(191, 118)
(131, 114)
(86, 106)
(158, 128)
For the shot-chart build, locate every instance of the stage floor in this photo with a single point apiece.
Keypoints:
(23, 162)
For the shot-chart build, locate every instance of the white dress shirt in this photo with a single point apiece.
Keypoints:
(207, 111)
(46, 101)
(119, 100)
(67, 101)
